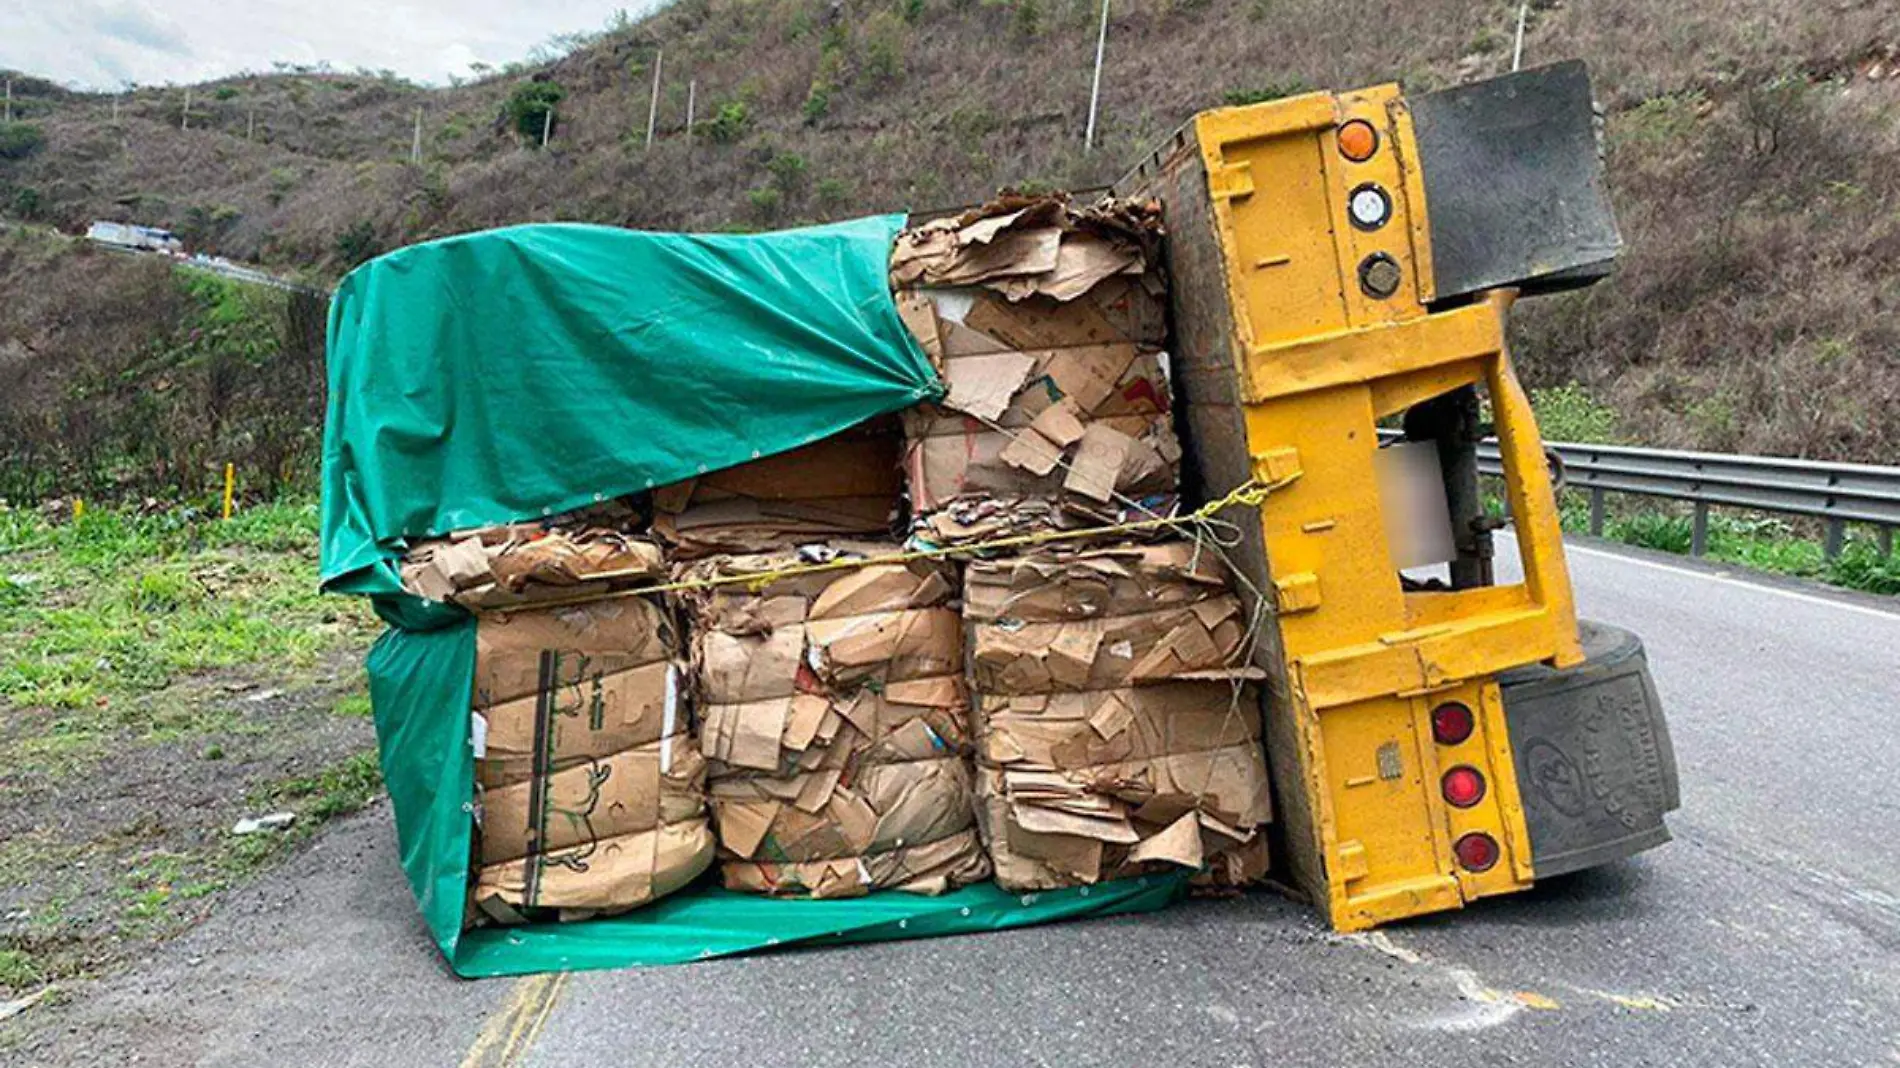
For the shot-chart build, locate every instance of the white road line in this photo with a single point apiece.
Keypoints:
(1892, 616)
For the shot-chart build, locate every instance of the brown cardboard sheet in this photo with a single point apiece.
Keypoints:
(591, 718)
(595, 878)
(518, 653)
(633, 790)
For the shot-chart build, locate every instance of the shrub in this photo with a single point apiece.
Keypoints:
(765, 202)
(27, 202)
(885, 39)
(832, 192)
(1026, 20)
(729, 122)
(358, 244)
(225, 92)
(531, 106)
(19, 140)
(788, 174)
(817, 102)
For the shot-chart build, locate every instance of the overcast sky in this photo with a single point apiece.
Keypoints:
(101, 44)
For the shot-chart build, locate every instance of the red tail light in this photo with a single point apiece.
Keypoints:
(1476, 851)
(1463, 786)
(1451, 723)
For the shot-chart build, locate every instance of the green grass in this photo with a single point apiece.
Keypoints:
(113, 605)
(1764, 543)
(18, 970)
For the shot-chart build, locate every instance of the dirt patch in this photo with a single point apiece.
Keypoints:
(127, 839)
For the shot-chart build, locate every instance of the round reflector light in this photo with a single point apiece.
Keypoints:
(1463, 786)
(1451, 723)
(1358, 140)
(1476, 851)
(1369, 206)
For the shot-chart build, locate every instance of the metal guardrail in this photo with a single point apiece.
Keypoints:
(1838, 493)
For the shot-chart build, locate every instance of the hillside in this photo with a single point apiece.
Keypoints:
(1753, 149)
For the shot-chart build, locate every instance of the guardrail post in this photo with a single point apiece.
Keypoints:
(1836, 535)
(1886, 543)
(1596, 512)
(1699, 533)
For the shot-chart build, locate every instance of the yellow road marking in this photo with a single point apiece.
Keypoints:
(511, 1032)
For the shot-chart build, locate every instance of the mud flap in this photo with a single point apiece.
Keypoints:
(1514, 182)
(1595, 768)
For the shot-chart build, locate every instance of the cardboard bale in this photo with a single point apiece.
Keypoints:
(521, 564)
(1117, 726)
(823, 835)
(591, 790)
(835, 721)
(846, 485)
(1045, 321)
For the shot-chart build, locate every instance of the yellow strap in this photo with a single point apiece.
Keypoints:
(1249, 494)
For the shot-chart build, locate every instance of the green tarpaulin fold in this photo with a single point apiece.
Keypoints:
(516, 373)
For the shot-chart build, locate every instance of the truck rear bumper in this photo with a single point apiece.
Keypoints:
(1595, 768)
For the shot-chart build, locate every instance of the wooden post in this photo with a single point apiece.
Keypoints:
(415, 141)
(250, 122)
(1095, 87)
(9, 100)
(692, 86)
(184, 117)
(1517, 49)
(115, 109)
(547, 125)
(653, 108)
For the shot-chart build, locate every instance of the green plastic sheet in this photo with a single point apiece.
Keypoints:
(516, 373)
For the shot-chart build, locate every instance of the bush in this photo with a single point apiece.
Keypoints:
(358, 244)
(832, 192)
(729, 122)
(765, 202)
(27, 202)
(530, 109)
(788, 174)
(885, 39)
(225, 92)
(19, 140)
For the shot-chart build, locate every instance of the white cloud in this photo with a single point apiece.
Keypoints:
(99, 44)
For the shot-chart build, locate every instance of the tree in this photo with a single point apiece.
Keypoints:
(529, 107)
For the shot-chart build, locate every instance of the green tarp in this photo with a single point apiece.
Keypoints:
(517, 373)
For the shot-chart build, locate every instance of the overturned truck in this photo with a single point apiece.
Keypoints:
(1048, 559)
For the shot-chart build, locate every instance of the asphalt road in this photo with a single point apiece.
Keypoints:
(1767, 933)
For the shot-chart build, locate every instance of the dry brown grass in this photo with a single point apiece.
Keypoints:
(1750, 313)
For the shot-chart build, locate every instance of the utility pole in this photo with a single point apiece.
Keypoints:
(653, 109)
(415, 141)
(1095, 89)
(1517, 49)
(184, 117)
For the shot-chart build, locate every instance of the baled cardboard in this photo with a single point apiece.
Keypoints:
(590, 718)
(595, 878)
(518, 653)
(635, 789)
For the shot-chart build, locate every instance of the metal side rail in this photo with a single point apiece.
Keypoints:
(1839, 493)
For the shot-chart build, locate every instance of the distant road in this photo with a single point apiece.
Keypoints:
(1767, 933)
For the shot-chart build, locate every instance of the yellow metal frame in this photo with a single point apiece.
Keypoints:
(1322, 363)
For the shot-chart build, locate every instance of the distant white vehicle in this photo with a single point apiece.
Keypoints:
(128, 235)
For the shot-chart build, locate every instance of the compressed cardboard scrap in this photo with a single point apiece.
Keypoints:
(835, 722)
(584, 554)
(591, 790)
(1117, 726)
(846, 485)
(1045, 321)
(905, 826)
